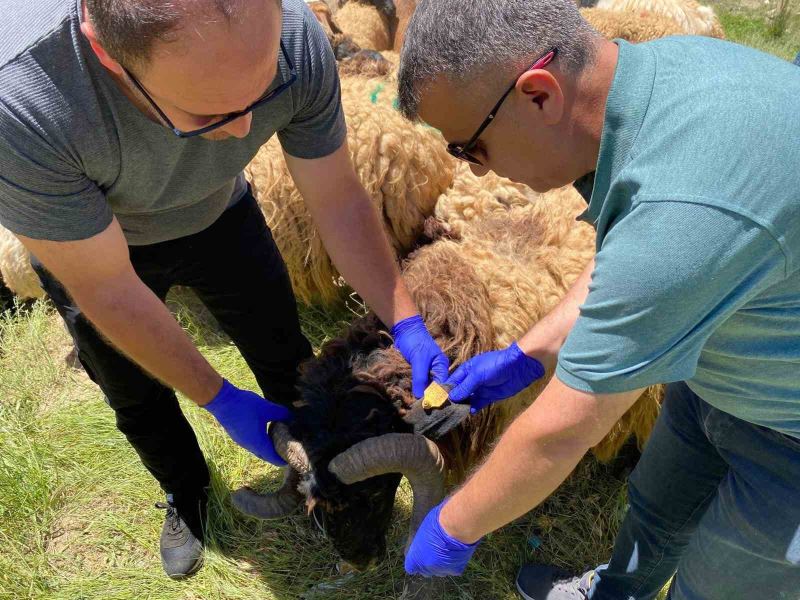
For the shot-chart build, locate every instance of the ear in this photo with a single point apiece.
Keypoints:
(437, 422)
(543, 91)
(105, 59)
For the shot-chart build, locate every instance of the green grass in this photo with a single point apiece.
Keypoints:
(753, 26)
(76, 515)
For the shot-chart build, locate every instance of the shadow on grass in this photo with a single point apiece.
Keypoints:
(319, 324)
(288, 559)
(574, 529)
(290, 555)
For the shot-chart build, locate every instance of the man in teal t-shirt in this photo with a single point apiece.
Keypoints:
(688, 152)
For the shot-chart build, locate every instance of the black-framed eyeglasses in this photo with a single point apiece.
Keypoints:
(270, 95)
(462, 151)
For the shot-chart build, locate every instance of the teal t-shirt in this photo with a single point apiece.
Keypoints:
(696, 201)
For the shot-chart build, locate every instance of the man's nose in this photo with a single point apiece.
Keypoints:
(240, 127)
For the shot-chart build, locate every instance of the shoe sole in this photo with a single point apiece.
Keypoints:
(522, 593)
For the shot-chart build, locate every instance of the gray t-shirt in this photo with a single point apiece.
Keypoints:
(74, 150)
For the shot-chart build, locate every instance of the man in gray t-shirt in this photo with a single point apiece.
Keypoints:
(124, 129)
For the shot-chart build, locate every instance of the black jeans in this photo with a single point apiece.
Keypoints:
(237, 271)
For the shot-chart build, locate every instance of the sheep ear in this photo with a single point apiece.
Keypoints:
(435, 423)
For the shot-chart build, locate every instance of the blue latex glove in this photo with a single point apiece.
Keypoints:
(493, 376)
(434, 553)
(244, 416)
(416, 345)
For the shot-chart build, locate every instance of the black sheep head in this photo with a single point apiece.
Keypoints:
(352, 435)
(354, 517)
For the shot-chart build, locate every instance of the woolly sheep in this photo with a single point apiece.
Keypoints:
(630, 26)
(693, 18)
(365, 64)
(366, 25)
(404, 167)
(526, 256)
(472, 197)
(503, 273)
(370, 22)
(527, 249)
(15, 267)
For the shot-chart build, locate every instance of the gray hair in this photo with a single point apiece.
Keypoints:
(462, 40)
(128, 29)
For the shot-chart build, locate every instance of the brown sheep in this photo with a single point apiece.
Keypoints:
(15, 267)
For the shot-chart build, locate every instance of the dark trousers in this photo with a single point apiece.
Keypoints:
(238, 273)
(715, 498)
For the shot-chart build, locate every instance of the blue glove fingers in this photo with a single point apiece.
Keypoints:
(440, 368)
(476, 405)
(260, 443)
(420, 377)
(244, 416)
(277, 412)
(530, 368)
(434, 553)
(415, 343)
(263, 448)
(469, 383)
(459, 375)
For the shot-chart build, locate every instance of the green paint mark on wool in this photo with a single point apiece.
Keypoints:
(374, 95)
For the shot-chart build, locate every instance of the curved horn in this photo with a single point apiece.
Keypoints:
(270, 506)
(289, 449)
(414, 456)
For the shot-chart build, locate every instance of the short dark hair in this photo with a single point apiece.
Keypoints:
(465, 40)
(128, 29)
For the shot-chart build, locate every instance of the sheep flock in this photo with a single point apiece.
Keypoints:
(502, 255)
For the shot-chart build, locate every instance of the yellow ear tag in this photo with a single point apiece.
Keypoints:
(434, 397)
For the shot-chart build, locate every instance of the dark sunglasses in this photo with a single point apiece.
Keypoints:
(462, 151)
(270, 95)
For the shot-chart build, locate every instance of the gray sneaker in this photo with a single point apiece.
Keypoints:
(181, 547)
(546, 582)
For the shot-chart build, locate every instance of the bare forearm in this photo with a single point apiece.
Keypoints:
(137, 323)
(521, 472)
(544, 340)
(354, 237)
(537, 452)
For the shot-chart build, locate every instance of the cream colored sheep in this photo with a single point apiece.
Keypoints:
(472, 197)
(631, 26)
(15, 267)
(366, 25)
(403, 166)
(693, 18)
